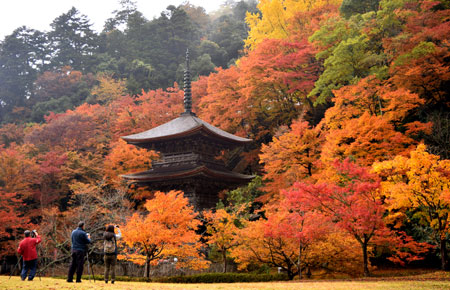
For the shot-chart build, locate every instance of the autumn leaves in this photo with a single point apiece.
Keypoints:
(167, 230)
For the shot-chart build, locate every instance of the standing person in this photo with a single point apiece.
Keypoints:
(27, 248)
(110, 249)
(80, 240)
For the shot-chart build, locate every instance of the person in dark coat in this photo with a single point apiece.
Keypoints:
(110, 240)
(27, 248)
(80, 240)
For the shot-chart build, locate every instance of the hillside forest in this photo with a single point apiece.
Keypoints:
(346, 101)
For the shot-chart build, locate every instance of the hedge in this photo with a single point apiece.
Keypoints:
(223, 278)
(199, 278)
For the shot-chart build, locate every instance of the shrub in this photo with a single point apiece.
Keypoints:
(223, 278)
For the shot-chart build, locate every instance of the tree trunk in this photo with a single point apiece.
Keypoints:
(365, 259)
(443, 254)
(147, 268)
(290, 273)
(224, 261)
(300, 260)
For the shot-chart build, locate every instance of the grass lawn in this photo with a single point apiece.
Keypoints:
(438, 280)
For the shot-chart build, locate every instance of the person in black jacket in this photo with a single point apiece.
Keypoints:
(110, 250)
(80, 240)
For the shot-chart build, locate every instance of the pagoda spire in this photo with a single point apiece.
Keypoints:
(187, 88)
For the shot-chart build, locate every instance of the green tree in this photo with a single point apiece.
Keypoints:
(351, 7)
(229, 30)
(139, 77)
(218, 55)
(164, 43)
(73, 41)
(349, 55)
(122, 16)
(22, 53)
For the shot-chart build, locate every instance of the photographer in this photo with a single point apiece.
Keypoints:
(80, 240)
(27, 248)
(110, 250)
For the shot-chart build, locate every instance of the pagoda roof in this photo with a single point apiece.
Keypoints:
(183, 126)
(159, 174)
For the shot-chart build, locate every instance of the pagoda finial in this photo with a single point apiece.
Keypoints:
(187, 88)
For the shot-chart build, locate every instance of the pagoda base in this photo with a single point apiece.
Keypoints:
(202, 193)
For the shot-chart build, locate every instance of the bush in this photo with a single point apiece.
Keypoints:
(199, 278)
(223, 278)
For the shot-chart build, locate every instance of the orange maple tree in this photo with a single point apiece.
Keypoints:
(291, 157)
(125, 158)
(167, 230)
(365, 121)
(147, 110)
(275, 79)
(295, 242)
(221, 103)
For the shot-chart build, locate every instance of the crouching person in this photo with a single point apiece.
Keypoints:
(110, 250)
(27, 248)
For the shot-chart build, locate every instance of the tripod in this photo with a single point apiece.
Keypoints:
(14, 269)
(90, 270)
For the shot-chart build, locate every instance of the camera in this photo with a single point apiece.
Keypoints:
(33, 233)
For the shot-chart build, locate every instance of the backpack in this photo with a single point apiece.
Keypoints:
(109, 246)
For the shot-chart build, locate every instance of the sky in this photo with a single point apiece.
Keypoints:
(38, 14)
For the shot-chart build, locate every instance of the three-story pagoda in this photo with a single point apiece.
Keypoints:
(189, 149)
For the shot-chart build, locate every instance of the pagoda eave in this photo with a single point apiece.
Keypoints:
(159, 175)
(182, 127)
(196, 131)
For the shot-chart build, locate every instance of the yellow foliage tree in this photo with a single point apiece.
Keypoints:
(339, 252)
(108, 88)
(419, 184)
(273, 21)
(223, 232)
(166, 231)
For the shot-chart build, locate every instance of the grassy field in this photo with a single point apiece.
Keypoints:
(438, 280)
